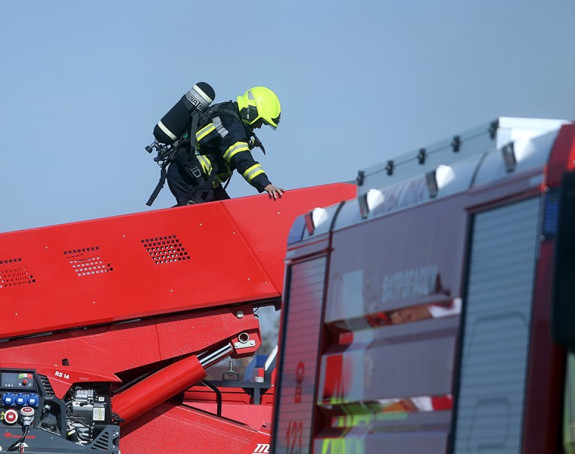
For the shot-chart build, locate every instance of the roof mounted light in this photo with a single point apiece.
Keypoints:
(369, 201)
(315, 218)
(438, 178)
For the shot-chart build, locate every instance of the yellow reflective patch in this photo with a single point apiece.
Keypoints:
(206, 164)
(205, 131)
(235, 149)
(253, 172)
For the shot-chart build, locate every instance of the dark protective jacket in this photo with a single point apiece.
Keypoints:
(224, 144)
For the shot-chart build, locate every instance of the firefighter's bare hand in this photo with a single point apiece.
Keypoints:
(273, 192)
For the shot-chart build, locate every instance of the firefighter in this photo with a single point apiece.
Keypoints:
(224, 144)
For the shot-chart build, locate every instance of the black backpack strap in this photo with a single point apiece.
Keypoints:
(190, 162)
(159, 186)
(194, 130)
(216, 110)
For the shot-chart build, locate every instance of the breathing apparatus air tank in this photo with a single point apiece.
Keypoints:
(179, 118)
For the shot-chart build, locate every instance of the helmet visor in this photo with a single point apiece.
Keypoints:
(273, 122)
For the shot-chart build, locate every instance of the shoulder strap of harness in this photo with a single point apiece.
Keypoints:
(218, 109)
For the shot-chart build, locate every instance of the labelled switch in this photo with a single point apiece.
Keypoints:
(11, 416)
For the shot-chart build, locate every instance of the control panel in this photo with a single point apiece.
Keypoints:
(18, 389)
(20, 396)
(32, 415)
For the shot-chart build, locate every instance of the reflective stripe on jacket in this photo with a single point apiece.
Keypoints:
(223, 144)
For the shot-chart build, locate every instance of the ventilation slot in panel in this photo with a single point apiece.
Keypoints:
(165, 249)
(88, 261)
(13, 273)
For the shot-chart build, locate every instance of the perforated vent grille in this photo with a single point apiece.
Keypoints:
(47, 386)
(105, 441)
(165, 249)
(88, 261)
(13, 272)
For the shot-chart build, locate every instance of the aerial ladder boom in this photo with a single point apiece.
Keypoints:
(107, 321)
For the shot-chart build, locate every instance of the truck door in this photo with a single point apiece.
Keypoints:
(496, 329)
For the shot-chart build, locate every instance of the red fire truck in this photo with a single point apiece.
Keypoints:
(429, 311)
(433, 313)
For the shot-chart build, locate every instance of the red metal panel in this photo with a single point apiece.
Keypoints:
(252, 415)
(237, 404)
(150, 263)
(562, 156)
(178, 429)
(546, 367)
(271, 220)
(125, 346)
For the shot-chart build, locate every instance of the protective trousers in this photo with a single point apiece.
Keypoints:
(189, 190)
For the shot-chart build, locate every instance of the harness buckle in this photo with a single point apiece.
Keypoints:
(196, 172)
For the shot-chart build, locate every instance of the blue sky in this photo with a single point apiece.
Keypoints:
(82, 84)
